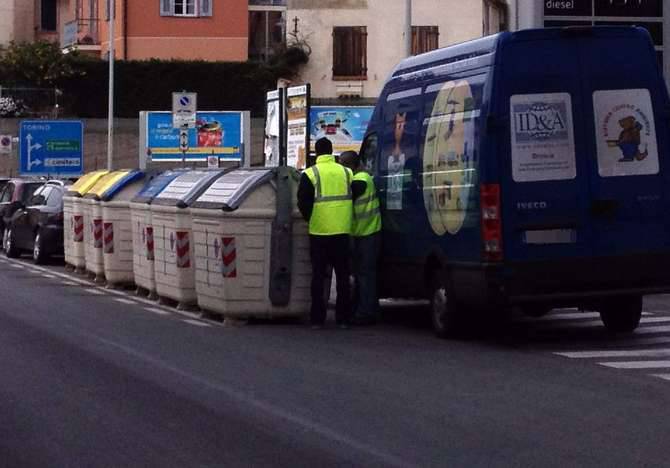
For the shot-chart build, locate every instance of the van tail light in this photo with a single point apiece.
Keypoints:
(491, 222)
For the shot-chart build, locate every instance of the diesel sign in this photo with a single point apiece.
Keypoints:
(568, 8)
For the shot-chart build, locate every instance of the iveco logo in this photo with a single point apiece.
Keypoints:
(538, 205)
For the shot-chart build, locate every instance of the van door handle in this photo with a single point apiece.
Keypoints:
(604, 208)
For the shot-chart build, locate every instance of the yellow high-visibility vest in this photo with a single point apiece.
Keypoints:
(333, 210)
(367, 217)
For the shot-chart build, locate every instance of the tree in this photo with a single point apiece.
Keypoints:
(38, 64)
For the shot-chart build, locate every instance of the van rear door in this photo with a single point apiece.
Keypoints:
(544, 167)
(625, 97)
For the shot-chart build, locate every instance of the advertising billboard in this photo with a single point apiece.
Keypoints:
(344, 126)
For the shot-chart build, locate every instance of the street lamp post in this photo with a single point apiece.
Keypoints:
(408, 28)
(110, 109)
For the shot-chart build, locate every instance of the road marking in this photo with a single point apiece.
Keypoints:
(615, 354)
(156, 310)
(647, 330)
(49, 276)
(551, 317)
(599, 323)
(637, 364)
(15, 265)
(124, 301)
(70, 283)
(93, 291)
(661, 376)
(196, 323)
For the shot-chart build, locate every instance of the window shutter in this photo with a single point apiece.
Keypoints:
(206, 7)
(167, 7)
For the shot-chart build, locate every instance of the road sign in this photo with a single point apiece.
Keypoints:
(183, 140)
(5, 144)
(184, 107)
(51, 147)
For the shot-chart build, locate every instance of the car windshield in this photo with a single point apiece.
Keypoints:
(28, 190)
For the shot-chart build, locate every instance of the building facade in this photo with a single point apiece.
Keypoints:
(356, 43)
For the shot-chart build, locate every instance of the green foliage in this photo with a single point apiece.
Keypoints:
(38, 64)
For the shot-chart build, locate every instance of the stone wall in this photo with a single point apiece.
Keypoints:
(126, 145)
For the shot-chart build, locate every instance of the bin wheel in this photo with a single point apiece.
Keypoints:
(10, 246)
(446, 314)
(622, 315)
(39, 256)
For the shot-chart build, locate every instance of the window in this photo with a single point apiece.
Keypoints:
(266, 34)
(28, 190)
(350, 52)
(48, 15)
(424, 39)
(495, 16)
(6, 196)
(55, 198)
(186, 7)
(39, 197)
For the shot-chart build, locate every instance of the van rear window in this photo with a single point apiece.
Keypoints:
(543, 141)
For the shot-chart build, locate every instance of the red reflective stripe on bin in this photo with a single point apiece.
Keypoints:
(108, 240)
(97, 233)
(183, 250)
(78, 228)
(229, 257)
(149, 242)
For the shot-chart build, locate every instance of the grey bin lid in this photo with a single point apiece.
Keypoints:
(228, 192)
(186, 188)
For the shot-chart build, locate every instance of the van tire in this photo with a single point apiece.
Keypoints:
(446, 316)
(39, 255)
(622, 315)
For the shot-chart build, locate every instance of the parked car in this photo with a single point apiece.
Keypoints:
(38, 226)
(14, 194)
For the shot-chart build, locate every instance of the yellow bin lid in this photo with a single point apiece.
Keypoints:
(107, 181)
(86, 182)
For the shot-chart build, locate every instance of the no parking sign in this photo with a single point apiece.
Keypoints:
(5, 144)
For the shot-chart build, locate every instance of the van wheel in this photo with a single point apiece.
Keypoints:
(622, 315)
(445, 314)
(10, 246)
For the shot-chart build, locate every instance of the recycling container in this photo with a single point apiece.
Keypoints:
(93, 241)
(173, 247)
(234, 247)
(117, 233)
(73, 219)
(143, 236)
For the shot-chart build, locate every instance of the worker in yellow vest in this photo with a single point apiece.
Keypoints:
(366, 234)
(324, 200)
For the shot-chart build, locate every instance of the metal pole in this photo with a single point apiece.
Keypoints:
(408, 28)
(110, 114)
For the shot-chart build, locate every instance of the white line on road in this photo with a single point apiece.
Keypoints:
(551, 317)
(124, 301)
(93, 291)
(637, 364)
(156, 310)
(647, 330)
(49, 276)
(615, 354)
(196, 323)
(599, 323)
(662, 376)
(15, 265)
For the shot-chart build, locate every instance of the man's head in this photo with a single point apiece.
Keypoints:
(350, 159)
(323, 146)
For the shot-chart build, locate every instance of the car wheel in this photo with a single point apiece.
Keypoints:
(4, 238)
(10, 245)
(622, 315)
(446, 315)
(39, 255)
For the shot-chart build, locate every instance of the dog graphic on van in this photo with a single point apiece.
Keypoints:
(629, 140)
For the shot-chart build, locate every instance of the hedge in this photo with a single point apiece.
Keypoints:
(148, 85)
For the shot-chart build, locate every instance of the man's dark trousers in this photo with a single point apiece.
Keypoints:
(333, 251)
(366, 253)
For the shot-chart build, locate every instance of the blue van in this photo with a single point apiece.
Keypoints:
(526, 169)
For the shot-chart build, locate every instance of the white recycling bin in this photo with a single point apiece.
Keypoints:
(73, 219)
(93, 224)
(173, 247)
(117, 240)
(142, 230)
(233, 229)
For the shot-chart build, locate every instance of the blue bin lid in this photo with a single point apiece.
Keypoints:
(188, 186)
(132, 176)
(156, 185)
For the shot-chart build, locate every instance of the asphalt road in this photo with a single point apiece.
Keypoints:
(89, 377)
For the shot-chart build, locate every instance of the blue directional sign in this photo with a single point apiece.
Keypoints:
(51, 147)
